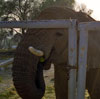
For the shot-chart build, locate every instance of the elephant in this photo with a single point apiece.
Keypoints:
(41, 47)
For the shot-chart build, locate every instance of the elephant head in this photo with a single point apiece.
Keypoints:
(51, 45)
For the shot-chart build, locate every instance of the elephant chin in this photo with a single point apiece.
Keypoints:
(28, 76)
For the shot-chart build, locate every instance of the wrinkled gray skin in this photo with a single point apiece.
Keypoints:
(28, 70)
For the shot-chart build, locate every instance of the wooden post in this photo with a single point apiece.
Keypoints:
(72, 59)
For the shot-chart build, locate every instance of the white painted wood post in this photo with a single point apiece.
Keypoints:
(35, 24)
(72, 59)
(84, 27)
(82, 62)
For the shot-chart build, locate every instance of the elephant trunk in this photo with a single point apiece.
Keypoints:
(28, 75)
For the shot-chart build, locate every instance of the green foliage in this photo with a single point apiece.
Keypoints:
(49, 94)
(11, 93)
(27, 9)
(67, 3)
(64, 3)
(6, 8)
(19, 10)
(2, 33)
(46, 3)
(0, 79)
(6, 50)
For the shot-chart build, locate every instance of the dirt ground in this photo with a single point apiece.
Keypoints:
(6, 76)
(6, 79)
(6, 82)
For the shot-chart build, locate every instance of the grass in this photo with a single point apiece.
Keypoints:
(49, 94)
(11, 93)
(6, 50)
(0, 79)
(6, 53)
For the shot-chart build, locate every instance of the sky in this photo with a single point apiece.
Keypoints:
(93, 5)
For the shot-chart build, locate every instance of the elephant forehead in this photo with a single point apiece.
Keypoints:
(61, 42)
(46, 36)
(57, 13)
(41, 36)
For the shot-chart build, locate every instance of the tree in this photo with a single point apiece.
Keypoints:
(19, 10)
(83, 8)
(64, 3)
(46, 3)
(27, 9)
(67, 3)
(6, 8)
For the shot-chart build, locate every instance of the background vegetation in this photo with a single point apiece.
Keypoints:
(19, 10)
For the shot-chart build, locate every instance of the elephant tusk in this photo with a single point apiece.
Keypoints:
(36, 51)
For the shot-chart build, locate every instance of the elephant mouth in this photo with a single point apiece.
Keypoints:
(42, 65)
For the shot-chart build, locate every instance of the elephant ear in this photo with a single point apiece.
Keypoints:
(94, 49)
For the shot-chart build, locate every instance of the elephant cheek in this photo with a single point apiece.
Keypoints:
(62, 57)
(47, 66)
(28, 77)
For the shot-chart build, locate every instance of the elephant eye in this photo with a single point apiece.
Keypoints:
(59, 34)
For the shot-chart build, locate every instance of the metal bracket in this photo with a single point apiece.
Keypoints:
(68, 70)
(72, 67)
